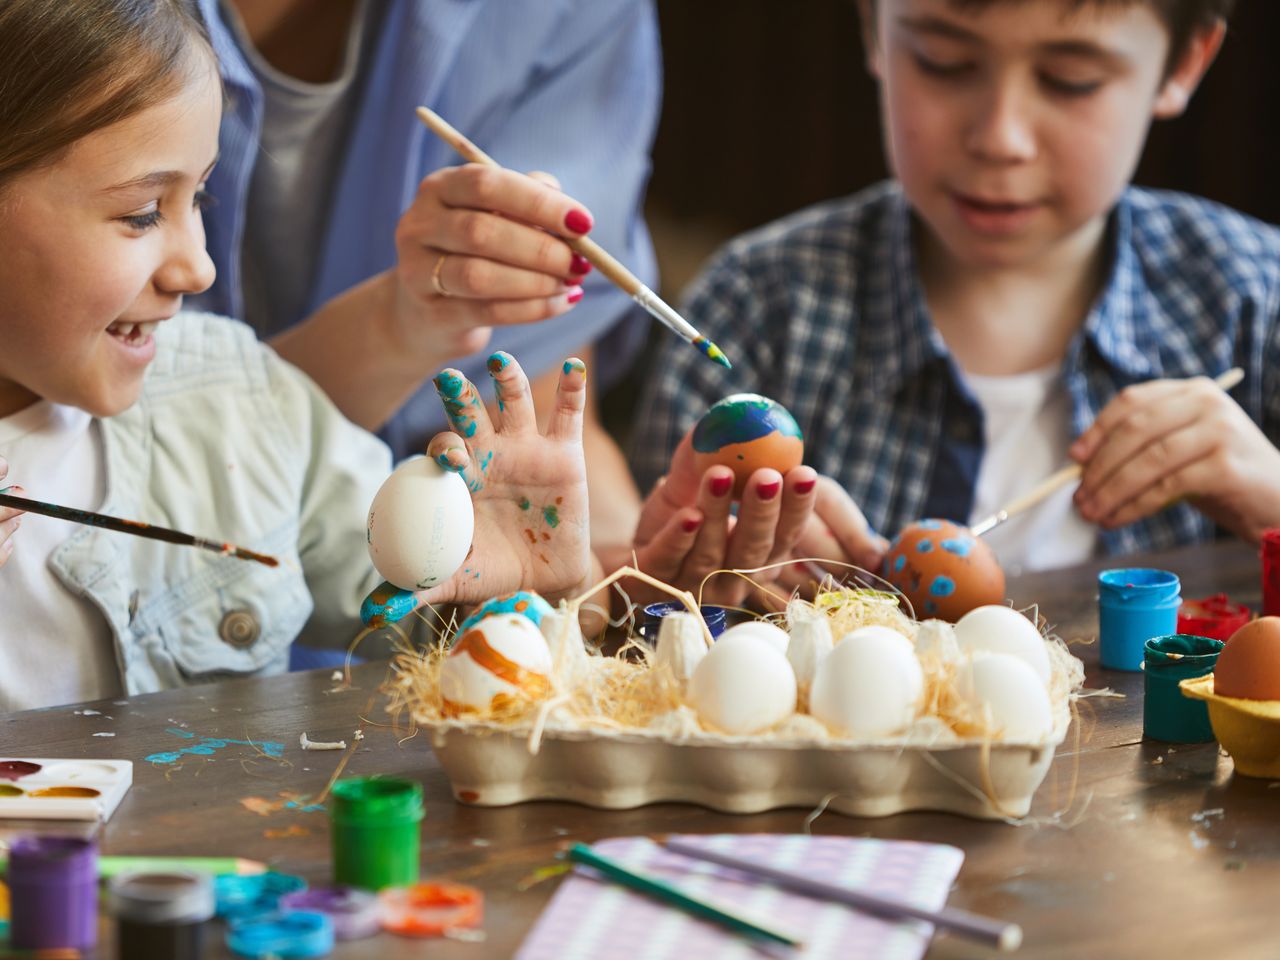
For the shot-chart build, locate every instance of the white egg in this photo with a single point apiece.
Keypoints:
(420, 525)
(763, 629)
(681, 645)
(1004, 694)
(870, 685)
(503, 657)
(810, 644)
(743, 685)
(999, 629)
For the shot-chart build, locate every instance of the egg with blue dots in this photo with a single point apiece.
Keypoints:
(420, 525)
(746, 432)
(943, 569)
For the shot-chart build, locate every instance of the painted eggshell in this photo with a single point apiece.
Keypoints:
(1249, 665)
(524, 602)
(745, 432)
(420, 525)
(497, 661)
(943, 569)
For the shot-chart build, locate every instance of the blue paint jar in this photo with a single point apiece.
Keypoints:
(1166, 713)
(1134, 605)
(714, 617)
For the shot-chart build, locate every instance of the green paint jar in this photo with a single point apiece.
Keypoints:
(1166, 713)
(375, 827)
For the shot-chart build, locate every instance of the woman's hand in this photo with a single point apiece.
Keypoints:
(529, 492)
(10, 519)
(1166, 440)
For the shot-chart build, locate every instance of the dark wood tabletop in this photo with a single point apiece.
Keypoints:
(1132, 868)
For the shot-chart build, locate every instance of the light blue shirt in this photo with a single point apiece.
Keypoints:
(571, 87)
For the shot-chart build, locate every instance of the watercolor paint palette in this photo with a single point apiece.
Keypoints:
(43, 789)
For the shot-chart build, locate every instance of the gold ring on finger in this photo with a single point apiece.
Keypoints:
(435, 277)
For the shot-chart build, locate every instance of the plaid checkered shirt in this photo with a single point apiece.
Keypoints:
(824, 312)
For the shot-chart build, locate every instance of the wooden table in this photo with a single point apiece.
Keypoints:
(1132, 869)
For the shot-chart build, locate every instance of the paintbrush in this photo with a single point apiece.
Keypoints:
(135, 527)
(603, 261)
(995, 933)
(1064, 476)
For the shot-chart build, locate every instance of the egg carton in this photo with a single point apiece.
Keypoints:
(491, 765)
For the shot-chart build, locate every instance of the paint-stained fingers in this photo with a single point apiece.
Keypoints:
(464, 408)
(758, 513)
(665, 554)
(515, 400)
(387, 604)
(449, 450)
(799, 494)
(571, 399)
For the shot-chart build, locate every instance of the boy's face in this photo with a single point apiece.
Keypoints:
(100, 247)
(1014, 127)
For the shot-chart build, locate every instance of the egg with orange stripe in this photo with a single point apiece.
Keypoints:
(493, 665)
(745, 432)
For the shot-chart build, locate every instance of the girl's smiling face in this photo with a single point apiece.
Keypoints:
(101, 246)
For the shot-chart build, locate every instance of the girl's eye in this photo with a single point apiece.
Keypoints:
(143, 221)
(1068, 88)
(938, 68)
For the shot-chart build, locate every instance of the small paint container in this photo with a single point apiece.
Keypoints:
(240, 897)
(282, 935)
(354, 912)
(1166, 713)
(1134, 605)
(53, 892)
(161, 914)
(1215, 617)
(376, 831)
(714, 617)
(431, 909)
(1271, 572)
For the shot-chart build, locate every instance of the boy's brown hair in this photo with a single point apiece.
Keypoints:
(70, 67)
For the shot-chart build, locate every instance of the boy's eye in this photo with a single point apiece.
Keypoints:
(1069, 88)
(941, 68)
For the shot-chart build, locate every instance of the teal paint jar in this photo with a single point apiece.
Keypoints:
(1134, 605)
(376, 831)
(1166, 713)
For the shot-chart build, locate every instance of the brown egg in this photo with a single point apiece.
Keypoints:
(745, 432)
(1249, 665)
(943, 569)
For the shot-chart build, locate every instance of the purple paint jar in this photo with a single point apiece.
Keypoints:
(53, 893)
(355, 913)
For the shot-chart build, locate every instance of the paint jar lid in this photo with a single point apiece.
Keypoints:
(431, 909)
(239, 897)
(1139, 587)
(173, 897)
(354, 912)
(713, 616)
(298, 934)
(377, 800)
(53, 860)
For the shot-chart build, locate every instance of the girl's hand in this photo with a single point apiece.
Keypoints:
(10, 519)
(529, 492)
(480, 247)
(1159, 442)
(686, 530)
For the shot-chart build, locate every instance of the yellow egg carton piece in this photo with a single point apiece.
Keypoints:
(1249, 730)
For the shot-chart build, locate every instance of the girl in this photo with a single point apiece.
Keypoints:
(111, 399)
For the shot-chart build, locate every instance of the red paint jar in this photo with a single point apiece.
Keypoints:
(1216, 617)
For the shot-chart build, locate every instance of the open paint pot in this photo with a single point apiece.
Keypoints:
(162, 914)
(53, 893)
(714, 617)
(1215, 617)
(1166, 713)
(1134, 605)
(376, 829)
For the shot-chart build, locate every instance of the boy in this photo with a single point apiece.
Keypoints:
(944, 338)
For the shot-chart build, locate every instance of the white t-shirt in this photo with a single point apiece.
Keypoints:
(1027, 427)
(55, 647)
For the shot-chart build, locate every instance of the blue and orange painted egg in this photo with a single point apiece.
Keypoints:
(524, 602)
(943, 569)
(745, 432)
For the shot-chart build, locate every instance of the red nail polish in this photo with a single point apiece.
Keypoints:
(767, 491)
(578, 221)
(720, 486)
(575, 295)
(804, 486)
(579, 265)
(692, 524)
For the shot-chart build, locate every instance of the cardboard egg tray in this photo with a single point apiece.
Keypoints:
(491, 765)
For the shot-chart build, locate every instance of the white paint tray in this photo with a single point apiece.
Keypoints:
(62, 789)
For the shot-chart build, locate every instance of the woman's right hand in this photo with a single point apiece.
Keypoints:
(10, 518)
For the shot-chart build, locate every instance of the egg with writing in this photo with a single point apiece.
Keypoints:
(943, 569)
(501, 660)
(1248, 667)
(746, 432)
(420, 525)
(743, 685)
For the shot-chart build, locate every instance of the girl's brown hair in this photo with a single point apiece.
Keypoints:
(70, 67)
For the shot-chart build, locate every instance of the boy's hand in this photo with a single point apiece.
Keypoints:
(1159, 442)
(10, 519)
(529, 492)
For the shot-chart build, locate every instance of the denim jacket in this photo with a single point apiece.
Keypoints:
(227, 441)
